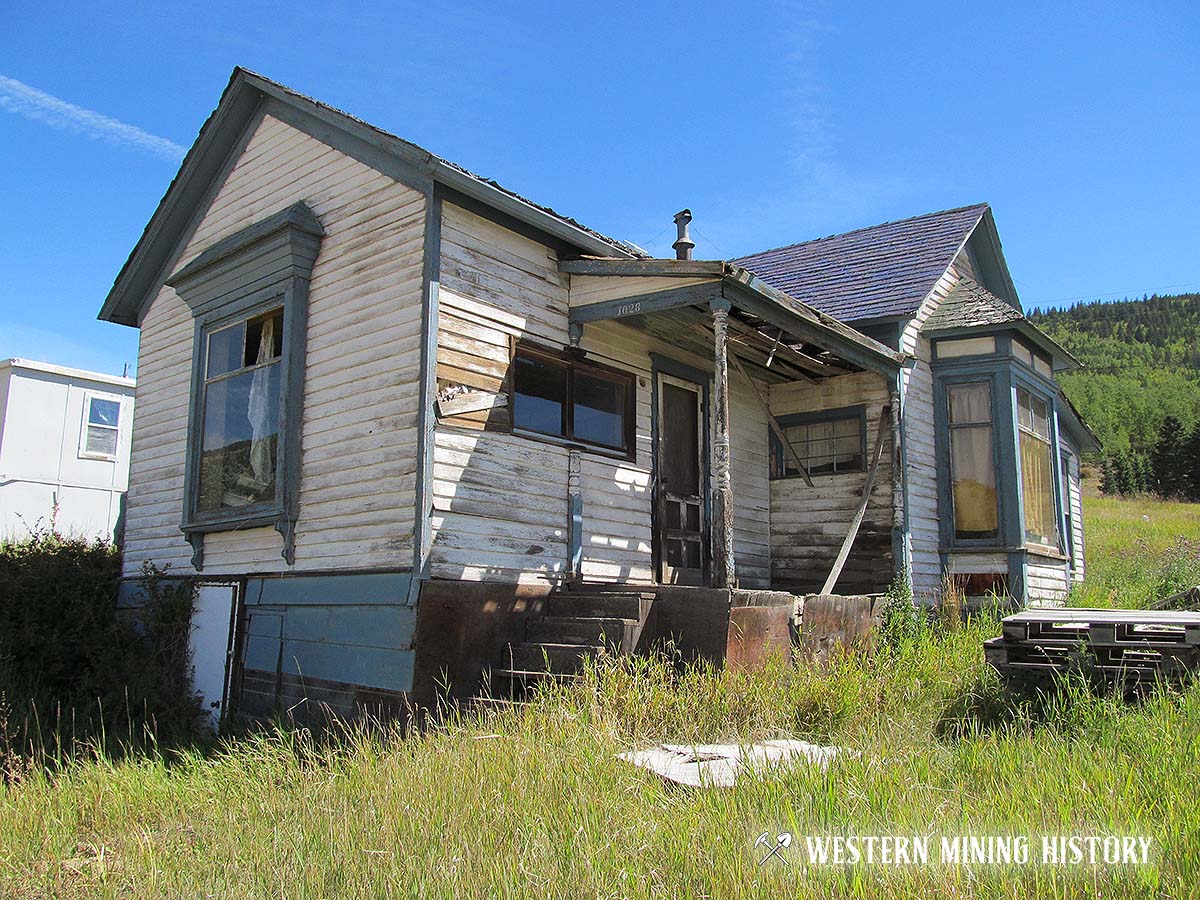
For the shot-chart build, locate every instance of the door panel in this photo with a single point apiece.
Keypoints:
(210, 645)
(681, 529)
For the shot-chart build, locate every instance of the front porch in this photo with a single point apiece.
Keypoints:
(783, 389)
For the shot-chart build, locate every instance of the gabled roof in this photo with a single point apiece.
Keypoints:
(879, 272)
(209, 157)
(969, 304)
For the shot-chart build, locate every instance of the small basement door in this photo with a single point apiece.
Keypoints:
(211, 645)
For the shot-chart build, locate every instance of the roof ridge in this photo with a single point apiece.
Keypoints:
(983, 205)
(619, 243)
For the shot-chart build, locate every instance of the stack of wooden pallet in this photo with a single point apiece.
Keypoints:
(1123, 645)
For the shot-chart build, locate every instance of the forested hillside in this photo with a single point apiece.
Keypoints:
(1141, 377)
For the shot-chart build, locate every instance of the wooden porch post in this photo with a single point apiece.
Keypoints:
(722, 505)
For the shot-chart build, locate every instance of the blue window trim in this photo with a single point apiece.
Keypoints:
(1005, 373)
(835, 414)
(1044, 390)
(226, 284)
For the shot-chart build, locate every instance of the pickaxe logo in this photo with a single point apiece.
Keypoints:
(776, 844)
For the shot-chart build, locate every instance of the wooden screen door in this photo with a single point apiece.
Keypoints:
(681, 527)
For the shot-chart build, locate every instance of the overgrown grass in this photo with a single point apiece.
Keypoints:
(534, 802)
(1138, 551)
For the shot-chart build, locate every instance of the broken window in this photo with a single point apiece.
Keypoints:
(581, 402)
(101, 426)
(1037, 469)
(972, 461)
(827, 444)
(240, 426)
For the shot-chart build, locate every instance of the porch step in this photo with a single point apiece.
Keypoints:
(596, 604)
(546, 658)
(614, 633)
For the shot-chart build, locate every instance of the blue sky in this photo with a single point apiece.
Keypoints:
(774, 122)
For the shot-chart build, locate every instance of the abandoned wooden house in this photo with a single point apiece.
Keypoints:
(406, 427)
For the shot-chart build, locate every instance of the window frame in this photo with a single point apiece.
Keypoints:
(573, 361)
(86, 425)
(997, 473)
(1054, 446)
(223, 285)
(995, 374)
(779, 455)
(224, 515)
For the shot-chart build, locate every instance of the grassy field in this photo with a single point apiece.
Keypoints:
(533, 802)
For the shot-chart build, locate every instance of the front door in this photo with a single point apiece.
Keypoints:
(681, 527)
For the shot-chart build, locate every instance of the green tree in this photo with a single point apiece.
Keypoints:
(1170, 459)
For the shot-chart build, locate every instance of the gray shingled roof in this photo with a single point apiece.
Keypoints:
(882, 271)
(970, 304)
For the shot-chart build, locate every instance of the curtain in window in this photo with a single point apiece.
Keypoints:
(1037, 486)
(261, 410)
(976, 514)
(975, 509)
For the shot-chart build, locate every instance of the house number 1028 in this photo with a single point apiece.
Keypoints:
(629, 309)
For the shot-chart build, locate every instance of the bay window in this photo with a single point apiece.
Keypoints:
(972, 461)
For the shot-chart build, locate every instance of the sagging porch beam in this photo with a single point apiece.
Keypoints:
(753, 296)
(722, 505)
(643, 304)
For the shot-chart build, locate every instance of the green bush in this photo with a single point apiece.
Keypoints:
(75, 670)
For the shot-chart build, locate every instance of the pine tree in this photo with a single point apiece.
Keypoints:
(1168, 459)
(1192, 454)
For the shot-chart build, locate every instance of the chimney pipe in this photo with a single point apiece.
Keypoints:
(683, 244)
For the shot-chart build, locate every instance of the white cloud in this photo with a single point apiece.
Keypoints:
(21, 99)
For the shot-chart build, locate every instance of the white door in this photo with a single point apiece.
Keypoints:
(211, 623)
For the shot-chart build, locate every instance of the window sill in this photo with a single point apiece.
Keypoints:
(1046, 551)
(258, 517)
(568, 444)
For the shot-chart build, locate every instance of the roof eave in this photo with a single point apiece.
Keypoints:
(143, 271)
(846, 335)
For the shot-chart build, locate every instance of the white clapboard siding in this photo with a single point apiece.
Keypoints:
(504, 496)
(808, 525)
(1075, 495)
(920, 449)
(499, 500)
(358, 431)
(1046, 579)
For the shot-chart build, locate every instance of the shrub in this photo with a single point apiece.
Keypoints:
(75, 670)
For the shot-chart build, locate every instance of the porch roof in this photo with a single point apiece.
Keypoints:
(777, 336)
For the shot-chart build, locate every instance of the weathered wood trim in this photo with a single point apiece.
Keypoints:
(856, 521)
(723, 558)
(667, 268)
(574, 515)
(426, 418)
(324, 125)
(643, 304)
(201, 176)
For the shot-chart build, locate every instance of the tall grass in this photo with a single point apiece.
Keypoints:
(533, 802)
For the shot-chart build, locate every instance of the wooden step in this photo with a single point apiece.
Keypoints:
(599, 605)
(546, 657)
(597, 632)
